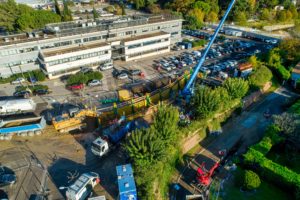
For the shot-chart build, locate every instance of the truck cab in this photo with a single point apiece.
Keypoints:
(83, 186)
(100, 147)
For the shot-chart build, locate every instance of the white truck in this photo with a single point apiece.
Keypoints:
(83, 186)
(16, 106)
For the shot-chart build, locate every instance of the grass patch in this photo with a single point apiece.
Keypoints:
(265, 191)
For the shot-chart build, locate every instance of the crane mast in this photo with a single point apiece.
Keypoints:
(187, 90)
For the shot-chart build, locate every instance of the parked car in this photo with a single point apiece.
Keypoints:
(41, 92)
(7, 179)
(166, 67)
(122, 75)
(76, 87)
(106, 66)
(24, 93)
(134, 72)
(7, 176)
(18, 80)
(3, 195)
(94, 82)
(85, 70)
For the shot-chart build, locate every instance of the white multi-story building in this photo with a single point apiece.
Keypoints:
(22, 50)
(146, 45)
(56, 63)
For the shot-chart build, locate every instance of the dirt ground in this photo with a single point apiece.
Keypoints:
(64, 156)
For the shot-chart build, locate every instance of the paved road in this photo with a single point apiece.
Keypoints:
(249, 126)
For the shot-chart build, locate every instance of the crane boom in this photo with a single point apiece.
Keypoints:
(187, 88)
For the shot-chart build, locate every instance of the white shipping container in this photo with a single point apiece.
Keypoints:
(17, 106)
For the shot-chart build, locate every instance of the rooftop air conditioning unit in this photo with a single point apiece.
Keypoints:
(83, 25)
(45, 36)
(15, 38)
(6, 39)
(29, 35)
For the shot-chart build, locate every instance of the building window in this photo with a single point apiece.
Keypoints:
(145, 30)
(128, 32)
(77, 41)
(134, 46)
(104, 36)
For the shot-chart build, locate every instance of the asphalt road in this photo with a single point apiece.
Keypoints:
(249, 126)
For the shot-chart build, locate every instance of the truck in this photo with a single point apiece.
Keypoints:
(126, 184)
(16, 106)
(113, 136)
(82, 187)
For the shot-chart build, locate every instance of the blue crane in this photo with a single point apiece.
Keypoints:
(189, 87)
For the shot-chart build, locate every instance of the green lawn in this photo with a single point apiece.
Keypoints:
(264, 192)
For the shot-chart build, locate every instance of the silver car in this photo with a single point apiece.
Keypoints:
(94, 82)
(122, 76)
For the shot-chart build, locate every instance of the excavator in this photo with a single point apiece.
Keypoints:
(73, 120)
(204, 176)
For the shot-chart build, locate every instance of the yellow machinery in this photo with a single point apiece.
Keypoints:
(65, 123)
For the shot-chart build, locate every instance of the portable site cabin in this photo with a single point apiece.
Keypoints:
(127, 189)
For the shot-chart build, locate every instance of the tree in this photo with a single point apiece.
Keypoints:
(286, 122)
(253, 60)
(182, 6)
(165, 123)
(39, 75)
(139, 4)
(123, 9)
(95, 13)
(56, 7)
(252, 5)
(195, 18)
(118, 10)
(67, 14)
(289, 15)
(266, 15)
(251, 180)
(8, 14)
(212, 17)
(144, 147)
(260, 77)
(205, 7)
(294, 11)
(77, 78)
(281, 16)
(241, 18)
(205, 102)
(154, 8)
(109, 9)
(236, 87)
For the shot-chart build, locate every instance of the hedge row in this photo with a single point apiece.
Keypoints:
(267, 168)
(271, 170)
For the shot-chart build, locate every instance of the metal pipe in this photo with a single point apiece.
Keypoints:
(186, 89)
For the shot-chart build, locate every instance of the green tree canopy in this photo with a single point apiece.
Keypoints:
(205, 102)
(260, 77)
(95, 13)
(236, 87)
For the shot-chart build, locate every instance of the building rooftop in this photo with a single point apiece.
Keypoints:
(139, 37)
(296, 69)
(73, 49)
(84, 26)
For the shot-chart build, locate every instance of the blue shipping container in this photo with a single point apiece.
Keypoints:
(127, 188)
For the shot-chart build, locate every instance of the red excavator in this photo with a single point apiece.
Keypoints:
(204, 176)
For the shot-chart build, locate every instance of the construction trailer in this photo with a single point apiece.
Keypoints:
(126, 184)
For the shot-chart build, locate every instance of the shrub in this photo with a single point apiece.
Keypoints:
(39, 75)
(81, 78)
(251, 180)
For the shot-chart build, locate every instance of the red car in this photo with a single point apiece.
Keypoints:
(76, 87)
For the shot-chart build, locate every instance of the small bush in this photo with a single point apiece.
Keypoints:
(81, 78)
(251, 180)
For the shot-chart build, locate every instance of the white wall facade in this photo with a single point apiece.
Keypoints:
(54, 69)
(142, 50)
